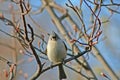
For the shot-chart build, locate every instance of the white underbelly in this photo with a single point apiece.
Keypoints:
(56, 53)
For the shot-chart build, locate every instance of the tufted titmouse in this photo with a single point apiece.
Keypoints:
(56, 52)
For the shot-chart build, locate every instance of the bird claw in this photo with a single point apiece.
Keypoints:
(63, 63)
(51, 65)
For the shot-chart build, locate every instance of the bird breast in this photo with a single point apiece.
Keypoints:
(56, 51)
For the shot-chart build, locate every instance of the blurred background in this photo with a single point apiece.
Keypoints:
(108, 44)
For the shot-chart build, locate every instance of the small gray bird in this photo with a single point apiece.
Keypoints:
(56, 52)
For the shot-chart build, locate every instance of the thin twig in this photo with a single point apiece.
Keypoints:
(67, 60)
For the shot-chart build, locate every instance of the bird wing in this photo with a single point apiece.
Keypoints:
(65, 45)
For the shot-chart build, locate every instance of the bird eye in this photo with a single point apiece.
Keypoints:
(53, 38)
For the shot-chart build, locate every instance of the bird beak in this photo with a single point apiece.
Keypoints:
(54, 37)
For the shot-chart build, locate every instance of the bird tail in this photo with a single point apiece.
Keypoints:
(62, 74)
